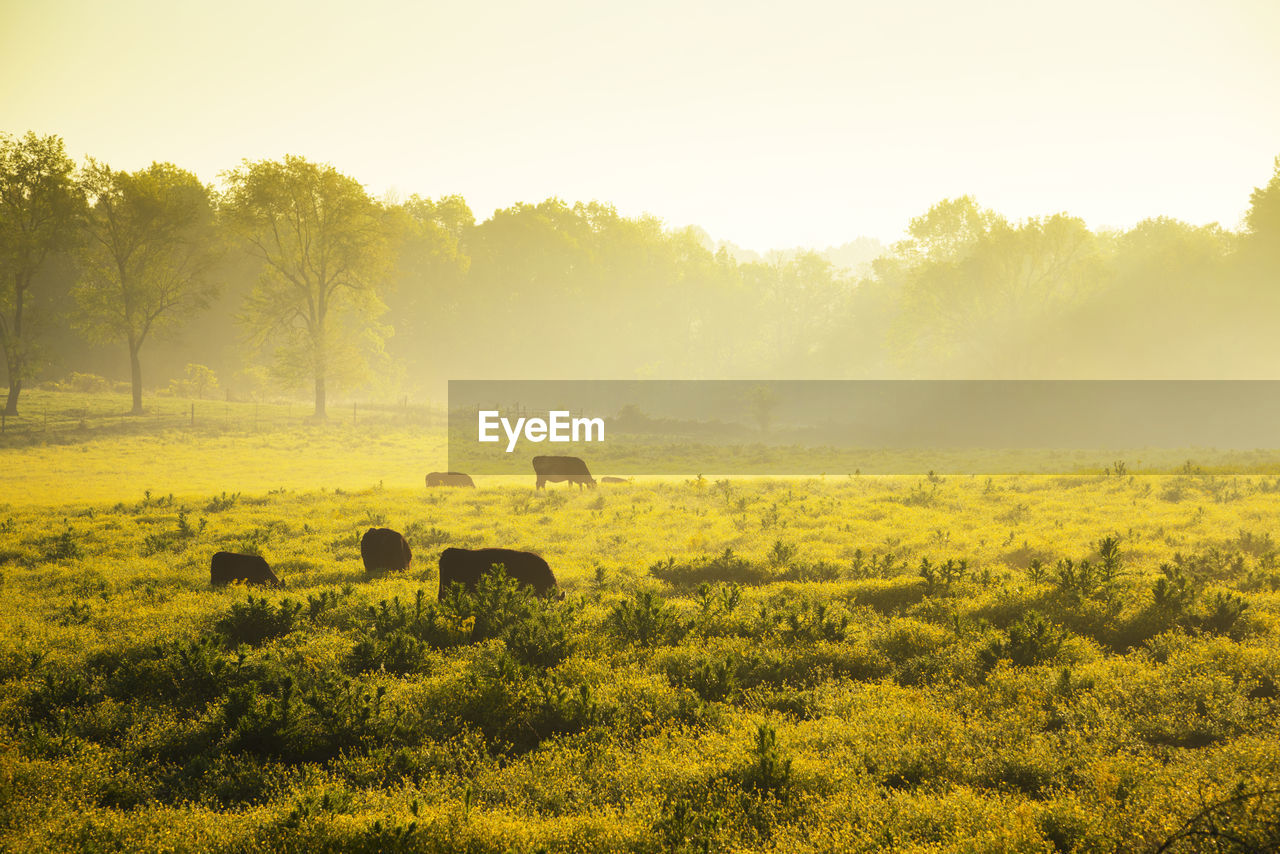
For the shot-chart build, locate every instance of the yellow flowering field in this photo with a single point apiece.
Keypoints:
(855, 663)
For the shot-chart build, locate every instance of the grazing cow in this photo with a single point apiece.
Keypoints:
(466, 566)
(449, 478)
(611, 479)
(384, 549)
(556, 469)
(230, 568)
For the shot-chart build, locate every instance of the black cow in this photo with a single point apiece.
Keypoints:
(466, 566)
(611, 479)
(230, 568)
(556, 469)
(384, 549)
(449, 478)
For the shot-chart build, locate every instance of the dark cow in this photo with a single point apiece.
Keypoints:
(230, 568)
(611, 479)
(384, 549)
(449, 478)
(556, 469)
(466, 566)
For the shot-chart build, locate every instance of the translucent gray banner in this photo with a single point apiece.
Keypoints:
(678, 427)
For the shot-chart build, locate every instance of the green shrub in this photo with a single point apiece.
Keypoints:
(82, 383)
(943, 575)
(686, 827)
(725, 568)
(256, 621)
(197, 381)
(188, 673)
(1031, 641)
(644, 620)
(889, 595)
(769, 770)
(804, 621)
(63, 547)
(257, 721)
(397, 652)
(820, 571)
(342, 716)
(713, 676)
(497, 604)
(1222, 612)
(516, 709)
(544, 638)
(222, 503)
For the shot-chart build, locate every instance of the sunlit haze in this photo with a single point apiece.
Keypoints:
(769, 125)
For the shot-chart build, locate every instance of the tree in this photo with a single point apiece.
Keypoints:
(429, 282)
(948, 231)
(324, 249)
(975, 291)
(152, 243)
(39, 208)
(198, 380)
(1263, 220)
(763, 400)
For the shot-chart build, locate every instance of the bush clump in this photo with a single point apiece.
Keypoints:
(1031, 641)
(256, 621)
(724, 568)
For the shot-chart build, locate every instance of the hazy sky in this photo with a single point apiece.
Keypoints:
(768, 124)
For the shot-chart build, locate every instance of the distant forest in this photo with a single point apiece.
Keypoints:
(287, 278)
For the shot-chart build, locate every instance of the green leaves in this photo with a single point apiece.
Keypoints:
(151, 245)
(1029, 642)
(40, 209)
(324, 249)
(256, 621)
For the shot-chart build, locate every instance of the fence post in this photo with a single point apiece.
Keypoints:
(353, 412)
(193, 415)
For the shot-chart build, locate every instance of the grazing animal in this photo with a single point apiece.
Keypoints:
(466, 566)
(556, 469)
(230, 568)
(449, 478)
(384, 549)
(611, 479)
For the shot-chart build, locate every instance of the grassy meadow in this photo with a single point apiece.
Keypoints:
(1011, 663)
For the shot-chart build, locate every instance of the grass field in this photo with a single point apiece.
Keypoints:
(81, 448)
(1005, 663)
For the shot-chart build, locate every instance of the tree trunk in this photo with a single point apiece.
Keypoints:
(321, 364)
(320, 395)
(15, 386)
(13, 352)
(136, 367)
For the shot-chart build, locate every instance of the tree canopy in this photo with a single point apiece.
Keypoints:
(337, 290)
(40, 206)
(325, 250)
(151, 244)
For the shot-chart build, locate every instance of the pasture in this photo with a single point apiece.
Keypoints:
(852, 663)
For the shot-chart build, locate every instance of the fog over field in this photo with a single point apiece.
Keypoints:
(929, 190)
(422, 292)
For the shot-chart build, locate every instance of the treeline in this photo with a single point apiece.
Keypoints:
(290, 277)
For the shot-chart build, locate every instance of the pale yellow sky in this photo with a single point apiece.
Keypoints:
(768, 124)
